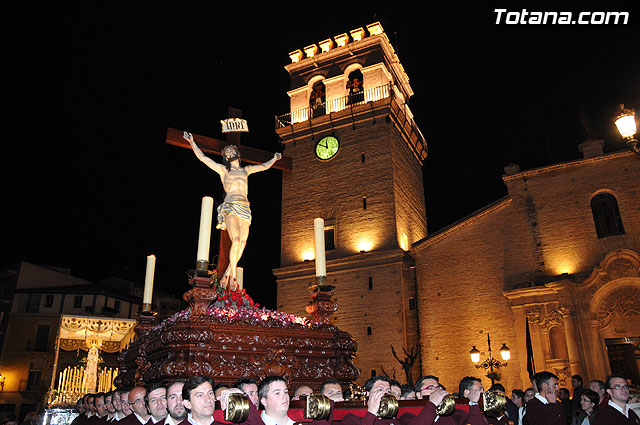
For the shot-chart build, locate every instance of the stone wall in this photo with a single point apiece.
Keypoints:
(374, 162)
(335, 190)
(372, 291)
(460, 299)
(554, 202)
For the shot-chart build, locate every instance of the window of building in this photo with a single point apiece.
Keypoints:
(7, 409)
(33, 380)
(606, 215)
(412, 303)
(329, 239)
(77, 301)
(364, 202)
(34, 303)
(369, 330)
(48, 301)
(317, 99)
(329, 234)
(373, 373)
(355, 87)
(370, 283)
(42, 338)
(25, 408)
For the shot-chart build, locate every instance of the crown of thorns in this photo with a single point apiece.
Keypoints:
(230, 151)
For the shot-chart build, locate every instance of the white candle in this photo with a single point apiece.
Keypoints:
(240, 277)
(318, 231)
(204, 240)
(148, 279)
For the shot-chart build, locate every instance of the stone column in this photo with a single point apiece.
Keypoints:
(570, 334)
(520, 323)
(536, 339)
(545, 344)
(597, 360)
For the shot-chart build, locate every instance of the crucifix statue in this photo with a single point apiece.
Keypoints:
(234, 214)
(236, 187)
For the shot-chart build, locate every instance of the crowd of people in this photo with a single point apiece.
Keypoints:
(614, 401)
(193, 402)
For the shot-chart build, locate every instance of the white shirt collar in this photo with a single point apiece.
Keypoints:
(268, 420)
(192, 420)
(542, 399)
(624, 411)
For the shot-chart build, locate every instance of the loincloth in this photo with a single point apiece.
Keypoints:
(240, 209)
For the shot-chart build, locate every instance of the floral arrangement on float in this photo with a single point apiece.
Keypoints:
(238, 307)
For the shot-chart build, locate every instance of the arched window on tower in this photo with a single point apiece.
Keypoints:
(317, 99)
(606, 215)
(355, 86)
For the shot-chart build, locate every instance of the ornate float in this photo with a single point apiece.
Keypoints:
(225, 336)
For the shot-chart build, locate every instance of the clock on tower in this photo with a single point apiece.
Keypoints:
(327, 148)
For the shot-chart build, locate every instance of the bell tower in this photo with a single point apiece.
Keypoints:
(357, 163)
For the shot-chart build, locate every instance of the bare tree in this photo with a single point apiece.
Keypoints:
(408, 362)
(384, 372)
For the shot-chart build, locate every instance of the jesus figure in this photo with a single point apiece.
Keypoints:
(234, 214)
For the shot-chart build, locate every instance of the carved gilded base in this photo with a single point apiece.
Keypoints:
(146, 321)
(201, 295)
(321, 307)
(225, 352)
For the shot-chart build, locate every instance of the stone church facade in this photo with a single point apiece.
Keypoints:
(557, 259)
(548, 257)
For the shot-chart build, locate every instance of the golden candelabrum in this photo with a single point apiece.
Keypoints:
(72, 384)
(105, 380)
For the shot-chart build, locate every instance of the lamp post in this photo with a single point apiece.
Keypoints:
(625, 121)
(491, 365)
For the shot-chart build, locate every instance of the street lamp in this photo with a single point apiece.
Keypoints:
(625, 121)
(491, 365)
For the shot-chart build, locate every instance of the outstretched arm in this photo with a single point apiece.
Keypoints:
(218, 168)
(264, 166)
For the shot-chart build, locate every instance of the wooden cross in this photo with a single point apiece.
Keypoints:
(215, 146)
(211, 145)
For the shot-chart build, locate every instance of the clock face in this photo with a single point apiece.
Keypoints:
(327, 148)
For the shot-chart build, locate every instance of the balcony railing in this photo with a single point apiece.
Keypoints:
(334, 105)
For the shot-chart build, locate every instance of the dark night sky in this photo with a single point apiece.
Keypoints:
(92, 186)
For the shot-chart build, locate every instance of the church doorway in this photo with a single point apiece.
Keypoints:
(624, 357)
